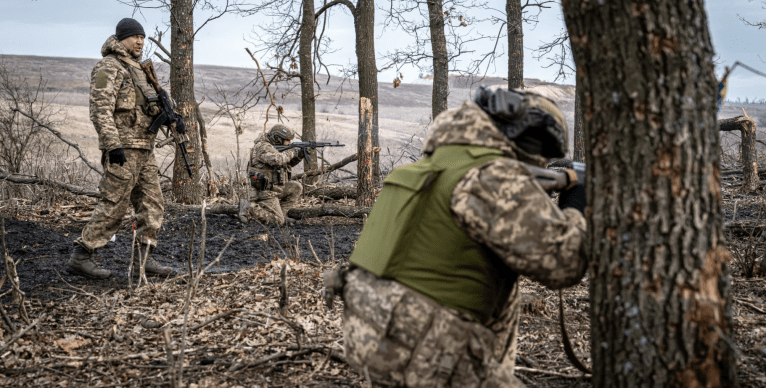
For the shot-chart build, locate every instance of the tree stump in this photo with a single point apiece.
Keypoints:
(748, 153)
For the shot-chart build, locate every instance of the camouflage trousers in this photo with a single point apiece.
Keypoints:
(402, 338)
(271, 206)
(136, 182)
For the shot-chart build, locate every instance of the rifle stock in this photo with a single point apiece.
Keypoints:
(552, 180)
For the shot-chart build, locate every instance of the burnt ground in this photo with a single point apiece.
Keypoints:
(42, 250)
(105, 333)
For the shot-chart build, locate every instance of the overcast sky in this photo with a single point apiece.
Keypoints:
(78, 28)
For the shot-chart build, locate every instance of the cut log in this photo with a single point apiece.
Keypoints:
(33, 180)
(333, 192)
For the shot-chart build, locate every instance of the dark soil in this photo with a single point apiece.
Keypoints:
(42, 251)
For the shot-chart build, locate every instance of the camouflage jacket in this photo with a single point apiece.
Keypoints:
(501, 206)
(118, 91)
(274, 165)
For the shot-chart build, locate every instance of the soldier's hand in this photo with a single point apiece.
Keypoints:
(574, 197)
(117, 155)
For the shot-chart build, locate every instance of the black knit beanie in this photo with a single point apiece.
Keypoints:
(128, 27)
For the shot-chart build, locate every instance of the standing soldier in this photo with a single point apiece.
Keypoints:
(270, 172)
(432, 295)
(121, 113)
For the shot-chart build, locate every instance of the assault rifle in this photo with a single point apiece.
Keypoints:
(305, 145)
(167, 116)
(552, 180)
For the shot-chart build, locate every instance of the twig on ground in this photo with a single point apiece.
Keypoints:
(550, 373)
(21, 333)
(315, 254)
(215, 318)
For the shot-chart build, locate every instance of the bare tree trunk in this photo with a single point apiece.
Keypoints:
(660, 286)
(749, 158)
(578, 155)
(441, 60)
(748, 155)
(364, 23)
(308, 102)
(515, 44)
(365, 190)
(185, 190)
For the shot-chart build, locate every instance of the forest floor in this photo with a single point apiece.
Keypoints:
(237, 328)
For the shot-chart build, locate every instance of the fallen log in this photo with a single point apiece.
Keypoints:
(297, 213)
(333, 192)
(33, 180)
(328, 210)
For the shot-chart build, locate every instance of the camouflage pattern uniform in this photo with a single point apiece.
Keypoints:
(404, 338)
(118, 91)
(281, 194)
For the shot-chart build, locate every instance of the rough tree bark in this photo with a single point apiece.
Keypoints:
(365, 190)
(185, 190)
(578, 155)
(515, 44)
(441, 60)
(748, 153)
(308, 101)
(364, 25)
(660, 286)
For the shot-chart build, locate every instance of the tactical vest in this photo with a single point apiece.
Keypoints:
(272, 176)
(141, 86)
(410, 236)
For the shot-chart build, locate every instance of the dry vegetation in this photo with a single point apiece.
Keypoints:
(263, 324)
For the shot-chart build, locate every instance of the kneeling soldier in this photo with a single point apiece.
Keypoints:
(270, 172)
(432, 294)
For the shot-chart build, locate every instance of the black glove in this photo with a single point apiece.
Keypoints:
(574, 197)
(180, 125)
(117, 155)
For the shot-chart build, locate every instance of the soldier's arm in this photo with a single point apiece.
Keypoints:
(105, 82)
(501, 206)
(269, 155)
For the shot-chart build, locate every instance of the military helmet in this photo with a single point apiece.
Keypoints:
(279, 133)
(523, 113)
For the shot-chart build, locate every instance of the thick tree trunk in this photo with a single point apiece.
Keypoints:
(515, 44)
(578, 155)
(660, 286)
(364, 24)
(333, 192)
(441, 60)
(185, 190)
(308, 103)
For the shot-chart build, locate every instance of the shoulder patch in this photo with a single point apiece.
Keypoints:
(101, 79)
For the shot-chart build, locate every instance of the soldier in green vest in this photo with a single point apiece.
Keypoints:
(432, 296)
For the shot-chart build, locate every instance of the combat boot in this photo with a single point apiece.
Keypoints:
(81, 262)
(152, 267)
(242, 214)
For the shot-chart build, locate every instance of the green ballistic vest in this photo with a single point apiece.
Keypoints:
(410, 236)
